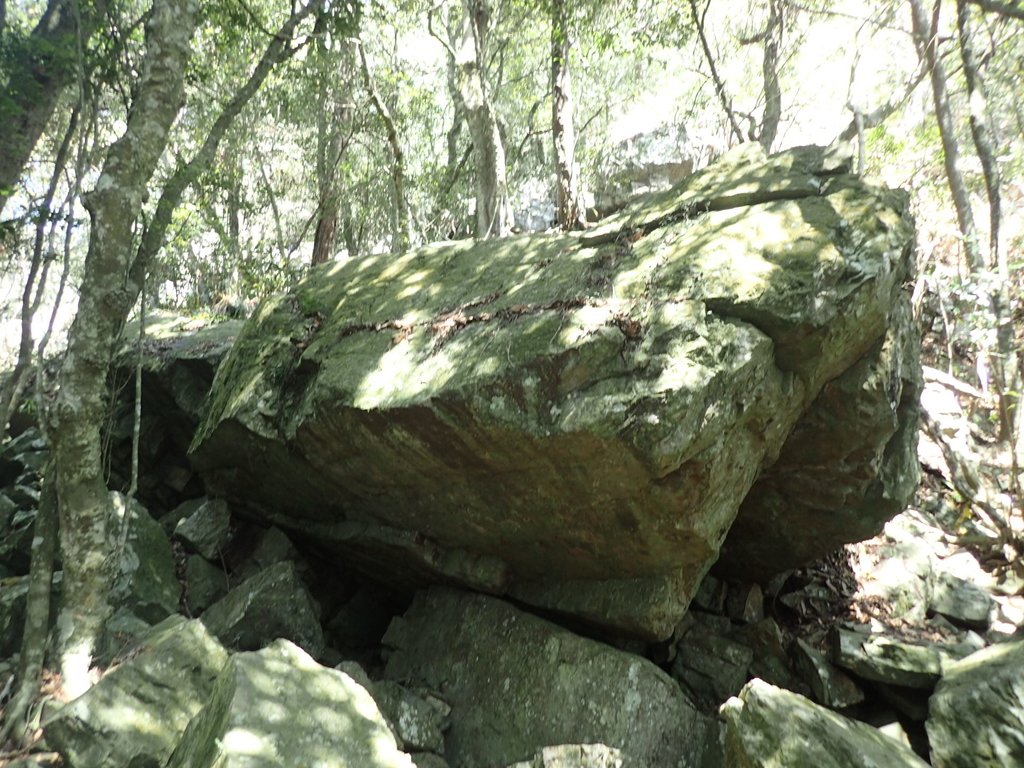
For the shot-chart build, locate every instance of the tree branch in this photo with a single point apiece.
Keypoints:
(1007, 10)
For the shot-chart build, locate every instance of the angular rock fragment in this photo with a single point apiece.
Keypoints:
(272, 604)
(576, 419)
(767, 727)
(830, 686)
(206, 529)
(574, 756)
(961, 601)
(205, 583)
(145, 583)
(888, 660)
(277, 707)
(976, 712)
(517, 684)
(417, 723)
(137, 712)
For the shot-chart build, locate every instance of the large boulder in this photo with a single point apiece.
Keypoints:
(278, 707)
(767, 727)
(517, 684)
(576, 419)
(976, 712)
(136, 714)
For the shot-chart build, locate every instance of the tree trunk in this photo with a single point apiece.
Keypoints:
(34, 82)
(325, 235)
(277, 51)
(402, 228)
(37, 616)
(698, 23)
(569, 211)
(35, 284)
(770, 73)
(927, 44)
(335, 70)
(493, 208)
(1005, 360)
(104, 302)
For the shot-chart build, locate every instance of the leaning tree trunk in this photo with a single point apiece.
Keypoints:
(34, 80)
(569, 211)
(927, 45)
(493, 208)
(402, 228)
(104, 304)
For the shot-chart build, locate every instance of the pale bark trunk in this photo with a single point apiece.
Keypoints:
(927, 42)
(1005, 360)
(493, 208)
(277, 51)
(37, 617)
(104, 303)
(335, 69)
(569, 210)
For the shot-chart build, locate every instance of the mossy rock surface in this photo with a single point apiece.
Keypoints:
(545, 412)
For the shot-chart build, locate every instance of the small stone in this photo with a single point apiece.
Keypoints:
(962, 602)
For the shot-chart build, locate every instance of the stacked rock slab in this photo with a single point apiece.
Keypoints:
(573, 419)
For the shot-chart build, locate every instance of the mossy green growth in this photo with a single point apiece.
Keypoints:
(609, 397)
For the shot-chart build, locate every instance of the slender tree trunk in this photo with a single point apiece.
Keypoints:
(569, 210)
(927, 45)
(402, 227)
(334, 124)
(34, 640)
(35, 284)
(698, 22)
(493, 208)
(35, 80)
(277, 51)
(104, 302)
(1005, 360)
(770, 73)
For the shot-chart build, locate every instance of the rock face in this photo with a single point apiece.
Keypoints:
(767, 727)
(135, 715)
(278, 707)
(976, 712)
(517, 683)
(576, 420)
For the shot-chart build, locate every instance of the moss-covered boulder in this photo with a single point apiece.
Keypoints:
(136, 714)
(517, 684)
(768, 727)
(975, 714)
(277, 707)
(578, 418)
